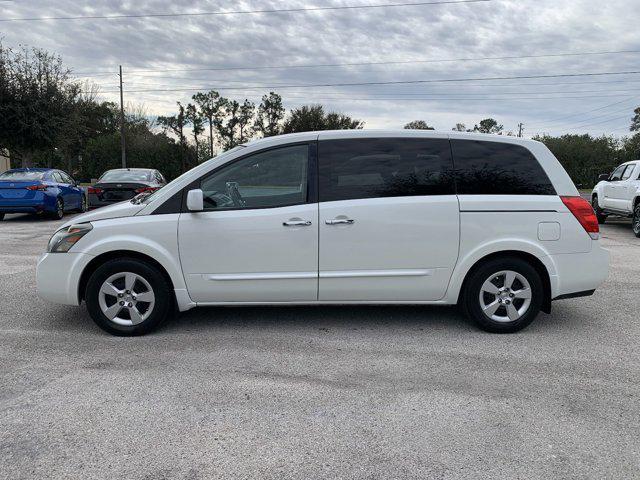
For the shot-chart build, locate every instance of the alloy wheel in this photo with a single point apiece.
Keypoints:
(126, 298)
(505, 296)
(636, 220)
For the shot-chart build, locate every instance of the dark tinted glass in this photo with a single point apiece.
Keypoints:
(617, 174)
(384, 167)
(21, 176)
(494, 168)
(273, 178)
(126, 176)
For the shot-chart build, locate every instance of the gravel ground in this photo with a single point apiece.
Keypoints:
(310, 393)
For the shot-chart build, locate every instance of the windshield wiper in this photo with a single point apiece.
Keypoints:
(137, 200)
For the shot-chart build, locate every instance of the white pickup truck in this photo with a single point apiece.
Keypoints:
(619, 194)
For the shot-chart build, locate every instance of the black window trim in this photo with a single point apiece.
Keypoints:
(170, 205)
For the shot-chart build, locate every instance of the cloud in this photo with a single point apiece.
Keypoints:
(493, 29)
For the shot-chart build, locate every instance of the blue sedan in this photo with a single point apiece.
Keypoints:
(40, 190)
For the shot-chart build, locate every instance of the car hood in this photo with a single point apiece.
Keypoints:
(117, 210)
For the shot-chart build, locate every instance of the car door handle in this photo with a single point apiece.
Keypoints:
(297, 223)
(340, 221)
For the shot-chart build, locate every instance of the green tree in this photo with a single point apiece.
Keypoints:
(418, 125)
(226, 125)
(460, 127)
(585, 157)
(211, 106)
(310, 118)
(488, 125)
(245, 119)
(193, 116)
(176, 124)
(270, 114)
(37, 98)
(635, 125)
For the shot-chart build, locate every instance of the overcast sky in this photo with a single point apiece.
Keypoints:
(426, 34)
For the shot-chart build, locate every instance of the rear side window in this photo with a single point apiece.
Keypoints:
(495, 168)
(384, 167)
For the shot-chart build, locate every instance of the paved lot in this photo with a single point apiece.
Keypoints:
(395, 392)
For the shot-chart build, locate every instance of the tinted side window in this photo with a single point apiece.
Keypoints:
(628, 171)
(494, 168)
(384, 167)
(273, 178)
(617, 173)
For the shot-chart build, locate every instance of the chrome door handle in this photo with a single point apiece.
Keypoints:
(297, 223)
(340, 221)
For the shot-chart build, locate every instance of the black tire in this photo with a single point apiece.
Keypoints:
(474, 284)
(83, 204)
(635, 225)
(58, 214)
(1, 216)
(151, 274)
(596, 208)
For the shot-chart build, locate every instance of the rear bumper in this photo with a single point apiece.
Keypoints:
(95, 202)
(579, 274)
(58, 276)
(28, 205)
(23, 209)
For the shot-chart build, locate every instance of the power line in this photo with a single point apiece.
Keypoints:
(360, 64)
(240, 12)
(313, 98)
(561, 124)
(414, 95)
(554, 121)
(608, 120)
(395, 82)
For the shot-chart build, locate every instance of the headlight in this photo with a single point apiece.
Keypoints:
(65, 238)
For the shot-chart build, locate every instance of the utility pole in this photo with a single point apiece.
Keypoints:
(520, 129)
(122, 141)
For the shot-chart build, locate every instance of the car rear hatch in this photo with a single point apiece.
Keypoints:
(117, 192)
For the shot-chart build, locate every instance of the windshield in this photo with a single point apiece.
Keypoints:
(21, 176)
(149, 197)
(126, 176)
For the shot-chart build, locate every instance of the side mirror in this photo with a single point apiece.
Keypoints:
(603, 176)
(195, 200)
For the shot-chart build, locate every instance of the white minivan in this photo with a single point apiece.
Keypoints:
(491, 223)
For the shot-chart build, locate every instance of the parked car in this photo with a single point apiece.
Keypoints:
(491, 223)
(619, 194)
(123, 184)
(41, 191)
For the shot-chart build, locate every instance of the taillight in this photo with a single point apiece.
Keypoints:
(145, 189)
(94, 190)
(583, 211)
(38, 187)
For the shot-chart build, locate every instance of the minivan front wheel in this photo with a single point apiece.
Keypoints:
(128, 297)
(504, 295)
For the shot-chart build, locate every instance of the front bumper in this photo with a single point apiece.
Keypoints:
(58, 276)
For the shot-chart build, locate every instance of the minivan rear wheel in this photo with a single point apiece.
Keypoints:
(503, 295)
(128, 297)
